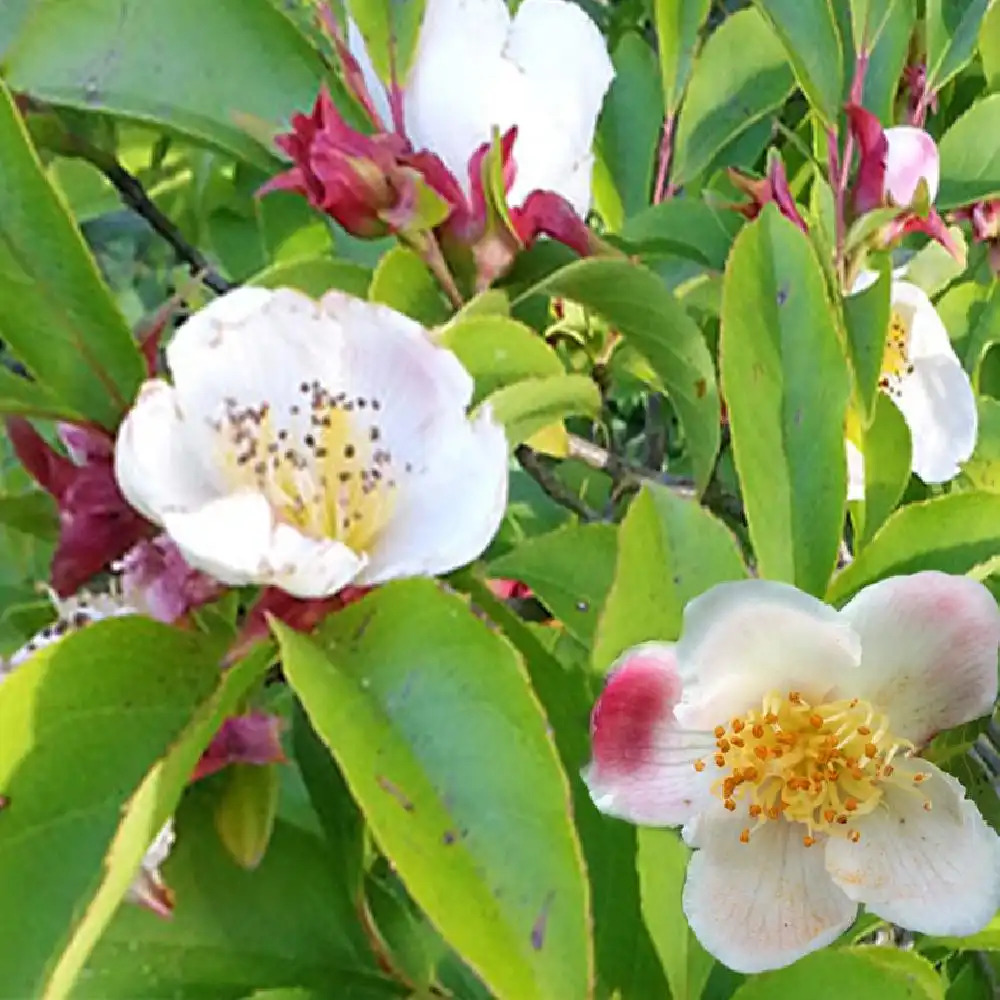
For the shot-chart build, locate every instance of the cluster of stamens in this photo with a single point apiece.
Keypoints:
(896, 364)
(819, 765)
(324, 468)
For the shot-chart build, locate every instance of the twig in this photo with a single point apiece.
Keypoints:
(662, 190)
(536, 467)
(625, 473)
(134, 197)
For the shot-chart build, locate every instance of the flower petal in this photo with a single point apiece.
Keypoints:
(448, 509)
(929, 651)
(251, 345)
(643, 762)
(935, 871)
(912, 155)
(937, 402)
(742, 640)
(237, 540)
(561, 98)
(460, 40)
(155, 466)
(763, 904)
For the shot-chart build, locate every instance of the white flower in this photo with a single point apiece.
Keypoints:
(922, 375)
(912, 156)
(148, 888)
(311, 445)
(545, 70)
(781, 734)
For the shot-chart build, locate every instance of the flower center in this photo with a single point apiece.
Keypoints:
(896, 364)
(323, 468)
(819, 765)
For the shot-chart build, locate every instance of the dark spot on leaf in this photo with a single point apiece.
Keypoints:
(782, 295)
(797, 416)
(363, 627)
(541, 922)
(448, 837)
(395, 791)
(700, 388)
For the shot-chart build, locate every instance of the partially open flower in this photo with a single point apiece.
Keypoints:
(311, 445)
(783, 735)
(898, 167)
(545, 70)
(772, 188)
(922, 375)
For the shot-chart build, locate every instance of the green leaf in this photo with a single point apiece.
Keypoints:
(933, 268)
(952, 27)
(24, 398)
(315, 276)
(629, 130)
(637, 304)
(401, 280)
(570, 570)
(677, 25)
(742, 76)
(670, 550)
(970, 168)
(810, 36)
(391, 31)
(534, 403)
(685, 227)
(458, 780)
(984, 332)
(198, 69)
(893, 22)
(662, 862)
(866, 317)
(245, 812)
(988, 939)
(234, 931)
(952, 533)
(85, 720)
(849, 972)
(31, 513)
(888, 458)
(982, 470)
(989, 46)
(55, 313)
(786, 384)
(497, 351)
(626, 962)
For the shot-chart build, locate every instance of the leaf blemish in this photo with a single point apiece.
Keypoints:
(782, 295)
(395, 791)
(541, 922)
(449, 837)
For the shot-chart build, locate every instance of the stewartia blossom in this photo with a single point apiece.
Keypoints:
(311, 445)
(782, 734)
(477, 69)
(898, 167)
(922, 375)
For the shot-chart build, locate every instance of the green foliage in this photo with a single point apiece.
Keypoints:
(786, 387)
(676, 406)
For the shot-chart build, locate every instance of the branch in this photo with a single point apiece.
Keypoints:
(134, 197)
(624, 473)
(539, 470)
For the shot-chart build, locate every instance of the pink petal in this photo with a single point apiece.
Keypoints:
(643, 763)
(928, 651)
(254, 738)
(911, 155)
(873, 149)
